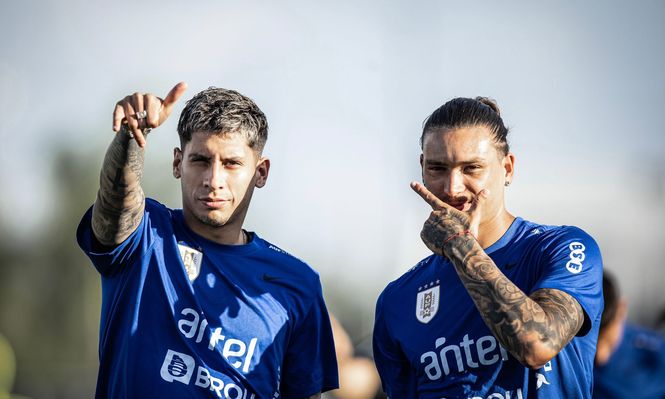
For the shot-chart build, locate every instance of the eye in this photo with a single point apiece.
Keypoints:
(472, 168)
(232, 163)
(199, 160)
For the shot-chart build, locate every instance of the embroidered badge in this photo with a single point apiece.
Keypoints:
(191, 259)
(427, 302)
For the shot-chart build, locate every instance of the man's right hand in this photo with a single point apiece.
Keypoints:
(129, 109)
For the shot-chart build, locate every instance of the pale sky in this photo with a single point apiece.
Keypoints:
(346, 86)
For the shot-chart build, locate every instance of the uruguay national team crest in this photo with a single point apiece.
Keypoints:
(427, 302)
(191, 258)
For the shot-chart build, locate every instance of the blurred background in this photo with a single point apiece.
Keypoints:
(346, 86)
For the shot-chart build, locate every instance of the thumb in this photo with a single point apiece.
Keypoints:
(176, 92)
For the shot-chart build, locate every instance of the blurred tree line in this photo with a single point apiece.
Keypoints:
(50, 295)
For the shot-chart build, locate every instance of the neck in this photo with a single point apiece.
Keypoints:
(229, 234)
(492, 230)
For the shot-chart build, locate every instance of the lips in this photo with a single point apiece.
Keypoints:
(213, 202)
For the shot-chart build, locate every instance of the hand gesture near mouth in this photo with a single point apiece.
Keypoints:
(447, 228)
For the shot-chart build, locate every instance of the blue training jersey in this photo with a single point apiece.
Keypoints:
(184, 317)
(431, 342)
(636, 369)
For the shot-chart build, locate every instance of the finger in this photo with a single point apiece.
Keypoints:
(152, 105)
(137, 101)
(176, 92)
(140, 138)
(132, 123)
(118, 116)
(129, 111)
(430, 198)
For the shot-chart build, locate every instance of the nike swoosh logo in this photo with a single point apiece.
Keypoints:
(510, 266)
(269, 278)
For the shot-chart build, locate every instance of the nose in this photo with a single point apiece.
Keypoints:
(454, 184)
(215, 176)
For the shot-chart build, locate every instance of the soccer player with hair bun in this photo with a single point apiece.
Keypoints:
(504, 307)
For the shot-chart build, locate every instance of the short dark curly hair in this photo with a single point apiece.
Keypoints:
(222, 111)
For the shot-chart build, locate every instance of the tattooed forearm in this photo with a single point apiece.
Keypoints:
(534, 329)
(120, 200)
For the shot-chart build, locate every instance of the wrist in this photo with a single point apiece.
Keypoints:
(127, 132)
(457, 245)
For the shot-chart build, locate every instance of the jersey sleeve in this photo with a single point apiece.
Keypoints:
(397, 376)
(572, 263)
(310, 364)
(111, 260)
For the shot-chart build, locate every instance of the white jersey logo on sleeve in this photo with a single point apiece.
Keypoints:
(427, 302)
(576, 256)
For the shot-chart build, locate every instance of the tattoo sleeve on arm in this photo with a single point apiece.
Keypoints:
(534, 329)
(120, 200)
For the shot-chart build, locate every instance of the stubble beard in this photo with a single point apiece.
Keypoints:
(212, 221)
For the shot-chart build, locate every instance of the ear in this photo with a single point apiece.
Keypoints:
(622, 310)
(509, 167)
(177, 163)
(262, 170)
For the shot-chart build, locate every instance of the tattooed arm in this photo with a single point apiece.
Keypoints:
(120, 200)
(534, 329)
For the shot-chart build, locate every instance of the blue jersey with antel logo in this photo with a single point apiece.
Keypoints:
(183, 317)
(431, 342)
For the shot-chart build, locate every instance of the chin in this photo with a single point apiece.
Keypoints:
(213, 220)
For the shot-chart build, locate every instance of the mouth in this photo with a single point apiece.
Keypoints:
(213, 203)
(460, 206)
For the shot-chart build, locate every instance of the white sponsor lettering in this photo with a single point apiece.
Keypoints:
(576, 256)
(486, 351)
(238, 353)
(227, 391)
(180, 367)
(506, 395)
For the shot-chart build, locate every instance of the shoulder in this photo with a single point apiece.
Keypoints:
(286, 262)
(552, 235)
(159, 215)
(397, 288)
(155, 207)
(559, 240)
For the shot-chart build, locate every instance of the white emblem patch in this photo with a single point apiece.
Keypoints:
(576, 256)
(427, 302)
(191, 258)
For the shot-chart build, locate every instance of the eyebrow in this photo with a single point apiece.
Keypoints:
(196, 155)
(469, 162)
